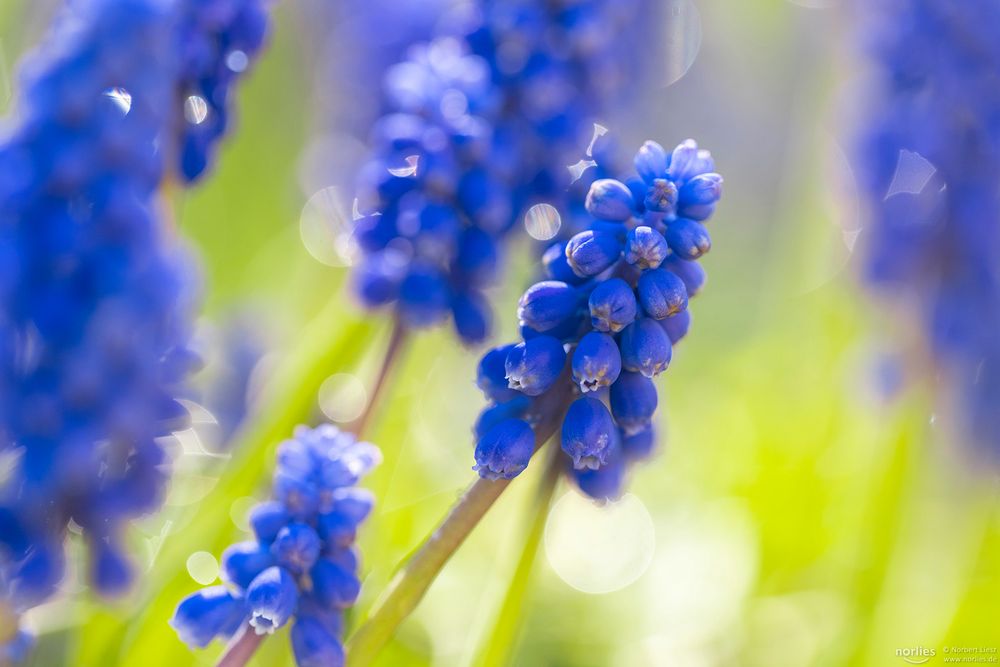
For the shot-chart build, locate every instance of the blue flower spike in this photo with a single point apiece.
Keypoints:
(471, 138)
(96, 296)
(300, 569)
(928, 167)
(593, 343)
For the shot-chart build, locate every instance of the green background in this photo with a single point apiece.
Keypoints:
(800, 515)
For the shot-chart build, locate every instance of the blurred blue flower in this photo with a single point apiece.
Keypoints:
(617, 325)
(94, 297)
(300, 567)
(477, 126)
(929, 169)
(217, 42)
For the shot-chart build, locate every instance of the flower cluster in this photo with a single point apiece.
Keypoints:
(478, 125)
(929, 165)
(94, 298)
(598, 331)
(217, 41)
(301, 564)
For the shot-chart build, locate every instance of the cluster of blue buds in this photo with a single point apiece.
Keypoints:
(478, 125)
(434, 206)
(217, 41)
(301, 566)
(562, 66)
(94, 298)
(929, 167)
(603, 325)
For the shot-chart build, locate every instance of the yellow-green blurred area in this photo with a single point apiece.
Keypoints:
(799, 513)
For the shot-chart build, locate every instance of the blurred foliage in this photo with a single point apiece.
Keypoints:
(803, 516)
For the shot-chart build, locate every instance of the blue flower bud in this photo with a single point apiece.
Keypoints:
(331, 619)
(438, 227)
(638, 188)
(377, 278)
(688, 239)
(296, 547)
(478, 258)
(515, 408)
(640, 445)
(684, 161)
(209, 613)
(296, 492)
(596, 361)
(700, 190)
(609, 199)
(645, 248)
(354, 503)
(697, 212)
(491, 375)
(351, 506)
(677, 326)
(334, 586)
(243, 561)
(37, 575)
(662, 294)
(373, 232)
(472, 316)
(588, 433)
(17, 648)
(605, 483)
(703, 163)
(661, 196)
(110, 571)
(633, 402)
(651, 161)
(534, 365)
(547, 304)
(271, 597)
(314, 646)
(345, 557)
(591, 252)
(505, 450)
(645, 348)
(423, 296)
(267, 518)
(557, 266)
(690, 272)
(612, 306)
(567, 329)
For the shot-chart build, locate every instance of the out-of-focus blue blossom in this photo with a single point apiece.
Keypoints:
(479, 125)
(225, 387)
(94, 296)
(218, 40)
(616, 323)
(929, 167)
(301, 567)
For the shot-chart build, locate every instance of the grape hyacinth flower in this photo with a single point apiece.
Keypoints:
(929, 158)
(598, 332)
(218, 40)
(300, 567)
(478, 125)
(94, 298)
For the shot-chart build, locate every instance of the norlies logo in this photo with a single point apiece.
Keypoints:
(916, 655)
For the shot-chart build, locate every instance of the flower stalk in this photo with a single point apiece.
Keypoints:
(503, 638)
(415, 577)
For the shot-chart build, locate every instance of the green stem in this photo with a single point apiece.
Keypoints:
(412, 581)
(393, 351)
(410, 584)
(503, 639)
(241, 649)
